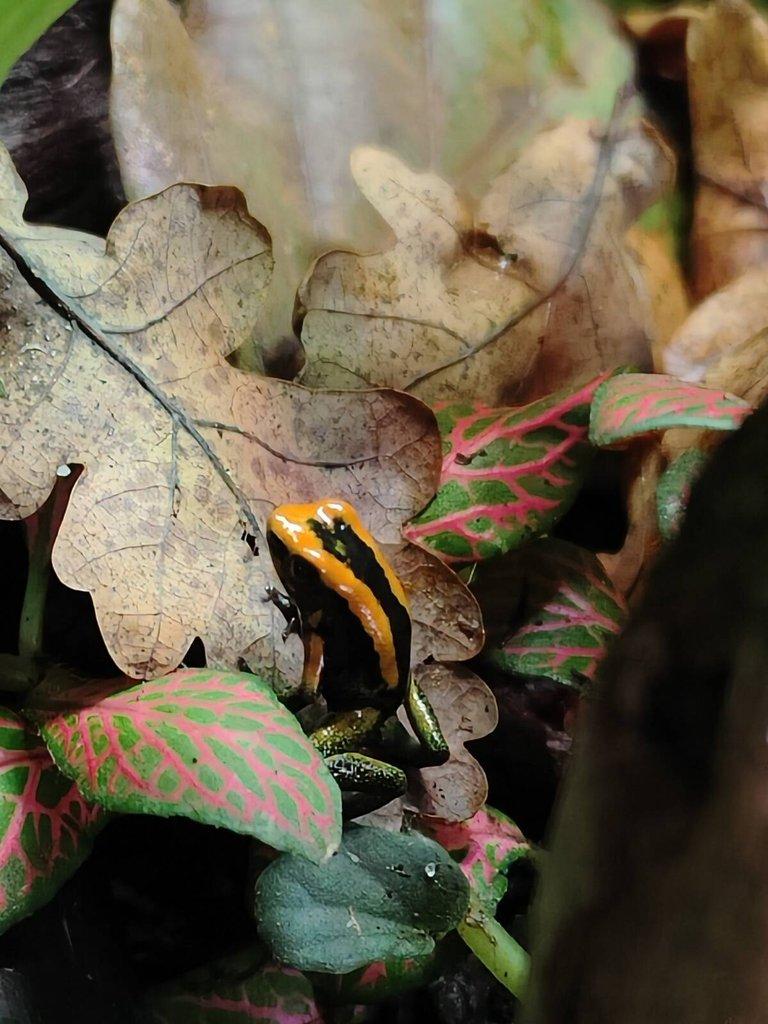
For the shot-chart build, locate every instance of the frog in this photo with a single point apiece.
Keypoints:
(350, 609)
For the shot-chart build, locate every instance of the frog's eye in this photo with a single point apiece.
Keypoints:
(299, 569)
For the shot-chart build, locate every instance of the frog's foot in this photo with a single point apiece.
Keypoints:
(284, 604)
(365, 783)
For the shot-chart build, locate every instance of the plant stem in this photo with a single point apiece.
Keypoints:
(497, 950)
(38, 573)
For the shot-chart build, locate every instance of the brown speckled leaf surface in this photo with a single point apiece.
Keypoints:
(184, 455)
(533, 288)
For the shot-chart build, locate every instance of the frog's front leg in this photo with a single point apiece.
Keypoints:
(365, 782)
(433, 749)
(289, 611)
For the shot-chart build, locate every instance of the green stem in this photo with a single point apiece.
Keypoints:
(497, 950)
(38, 574)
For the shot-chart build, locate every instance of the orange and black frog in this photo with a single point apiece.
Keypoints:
(351, 612)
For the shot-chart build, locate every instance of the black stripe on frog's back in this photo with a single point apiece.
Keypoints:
(344, 543)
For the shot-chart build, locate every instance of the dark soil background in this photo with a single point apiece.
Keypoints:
(160, 897)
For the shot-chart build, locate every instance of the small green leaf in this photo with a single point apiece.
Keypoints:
(217, 747)
(674, 489)
(22, 22)
(383, 895)
(240, 989)
(507, 475)
(46, 827)
(633, 404)
(567, 614)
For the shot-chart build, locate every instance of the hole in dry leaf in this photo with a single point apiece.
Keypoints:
(487, 250)
(195, 656)
(250, 540)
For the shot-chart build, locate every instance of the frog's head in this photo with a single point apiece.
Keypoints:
(323, 553)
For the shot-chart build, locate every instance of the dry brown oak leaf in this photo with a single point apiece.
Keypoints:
(727, 56)
(113, 355)
(538, 288)
(454, 791)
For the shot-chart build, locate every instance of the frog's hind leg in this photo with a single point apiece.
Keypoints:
(365, 782)
(433, 749)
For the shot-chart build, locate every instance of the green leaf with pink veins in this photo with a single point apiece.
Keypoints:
(237, 990)
(217, 747)
(633, 404)
(46, 826)
(566, 614)
(485, 846)
(508, 474)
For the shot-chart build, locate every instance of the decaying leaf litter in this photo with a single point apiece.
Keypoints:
(496, 288)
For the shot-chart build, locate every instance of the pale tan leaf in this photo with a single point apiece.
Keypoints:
(727, 53)
(744, 369)
(662, 34)
(667, 291)
(718, 325)
(273, 96)
(125, 372)
(542, 291)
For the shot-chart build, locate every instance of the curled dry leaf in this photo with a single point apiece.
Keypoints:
(535, 290)
(744, 370)
(642, 541)
(466, 710)
(250, 92)
(114, 356)
(727, 53)
(718, 325)
(662, 37)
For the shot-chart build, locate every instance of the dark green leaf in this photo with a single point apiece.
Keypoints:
(384, 894)
(674, 489)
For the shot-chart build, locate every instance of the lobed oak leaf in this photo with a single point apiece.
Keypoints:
(466, 710)
(727, 58)
(199, 88)
(114, 356)
(538, 288)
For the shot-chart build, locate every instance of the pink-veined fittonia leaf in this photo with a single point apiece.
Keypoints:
(568, 612)
(508, 474)
(485, 846)
(632, 404)
(217, 747)
(674, 490)
(383, 979)
(239, 990)
(46, 827)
